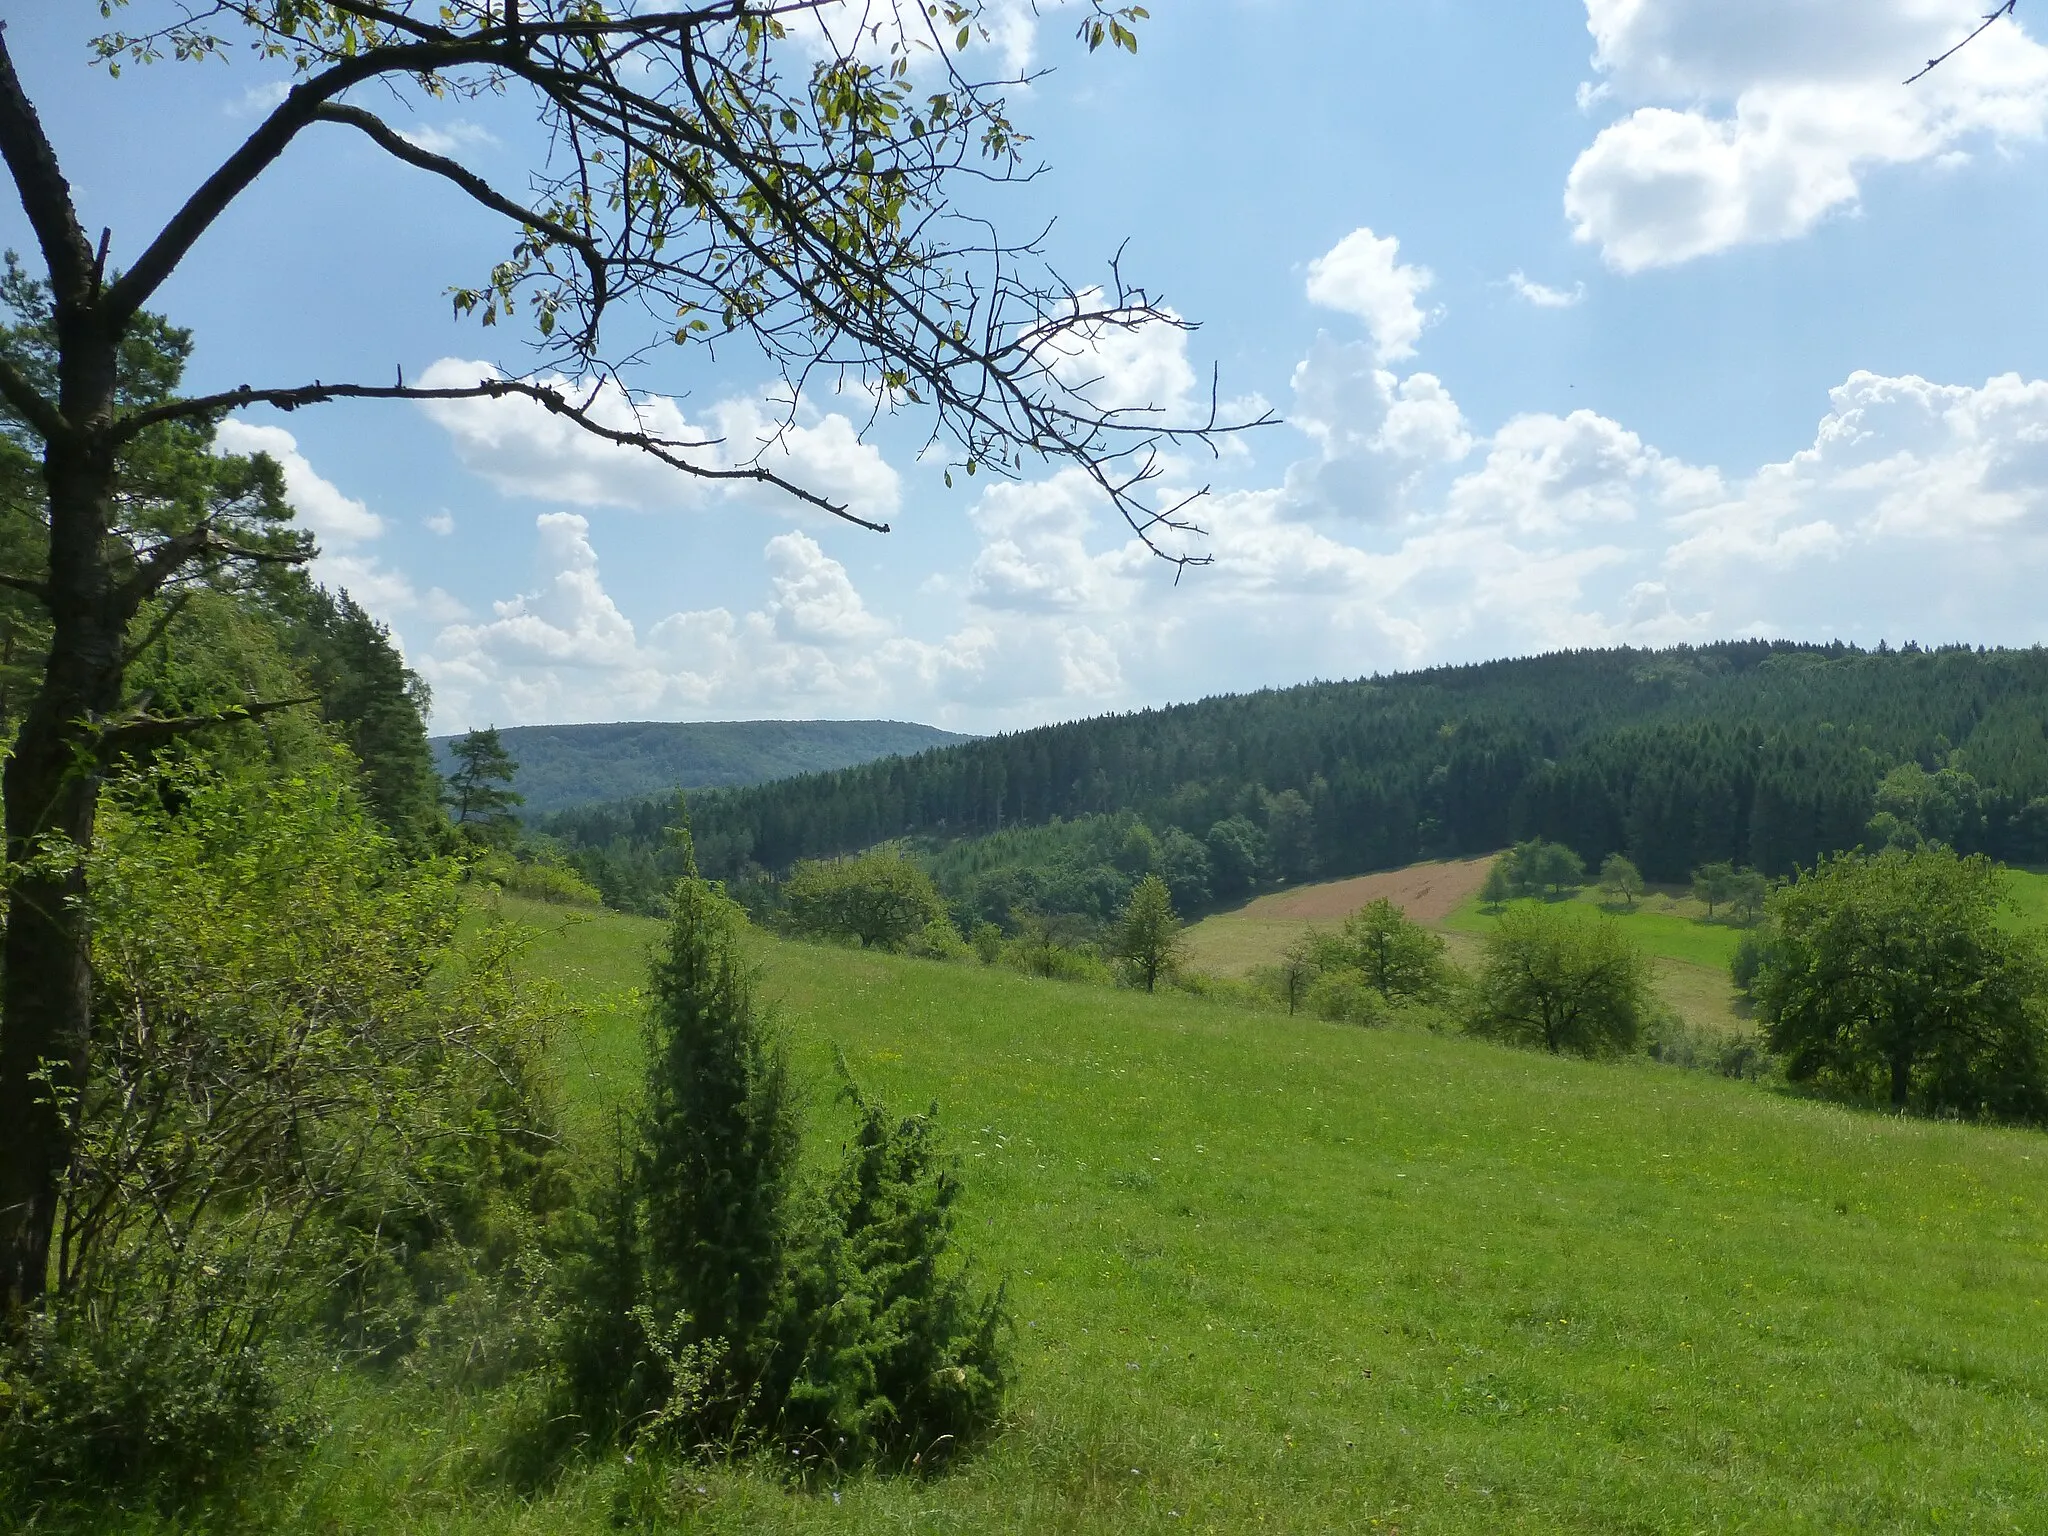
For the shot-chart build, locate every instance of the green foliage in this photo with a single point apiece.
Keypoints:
(1497, 889)
(1748, 961)
(1343, 995)
(1397, 957)
(718, 1148)
(1562, 980)
(479, 789)
(1237, 852)
(1915, 807)
(306, 1111)
(1889, 976)
(881, 899)
(897, 1359)
(376, 705)
(541, 875)
(1536, 867)
(1148, 938)
(1618, 878)
(987, 940)
(939, 939)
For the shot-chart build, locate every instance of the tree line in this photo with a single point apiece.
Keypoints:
(1762, 756)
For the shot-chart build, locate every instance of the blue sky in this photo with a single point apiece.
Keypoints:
(1631, 321)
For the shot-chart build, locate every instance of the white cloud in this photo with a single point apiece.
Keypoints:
(1757, 119)
(442, 523)
(524, 449)
(334, 518)
(1361, 275)
(1542, 295)
(448, 138)
(1128, 368)
(258, 100)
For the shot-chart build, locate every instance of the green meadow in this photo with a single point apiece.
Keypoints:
(1274, 1274)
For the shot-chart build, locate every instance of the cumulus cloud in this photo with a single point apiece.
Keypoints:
(1756, 119)
(341, 526)
(1361, 275)
(524, 449)
(334, 518)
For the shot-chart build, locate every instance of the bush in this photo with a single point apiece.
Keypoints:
(159, 1410)
(940, 940)
(878, 899)
(1564, 981)
(537, 880)
(1346, 996)
(987, 940)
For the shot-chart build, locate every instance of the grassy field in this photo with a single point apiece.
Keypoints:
(1280, 1275)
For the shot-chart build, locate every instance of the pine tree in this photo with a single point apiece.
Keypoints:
(479, 789)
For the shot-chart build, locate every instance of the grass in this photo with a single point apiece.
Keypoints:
(1272, 1274)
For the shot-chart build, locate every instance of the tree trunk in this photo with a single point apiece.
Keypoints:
(1902, 1080)
(51, 788)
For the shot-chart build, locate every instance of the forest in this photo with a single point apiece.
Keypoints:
(1764, 755)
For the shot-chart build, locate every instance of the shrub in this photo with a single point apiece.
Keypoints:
(1564, 981)
(940, 940)
(878, 899)
(1345, 996)
(535, 879)
(987, 940)
(892, 1355)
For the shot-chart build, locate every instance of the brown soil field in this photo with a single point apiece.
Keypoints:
(1231, 943)
(1428, 893)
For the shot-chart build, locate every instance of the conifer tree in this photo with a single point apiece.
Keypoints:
(479, 790)
(719, 1141)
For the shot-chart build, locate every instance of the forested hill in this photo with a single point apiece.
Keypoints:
(1766, 754)
(564, 765)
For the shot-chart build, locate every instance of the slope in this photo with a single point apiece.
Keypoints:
(1285, 1276)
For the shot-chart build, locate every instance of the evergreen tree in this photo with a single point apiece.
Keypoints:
(479, 790)
(719, 1143)
(376, 703)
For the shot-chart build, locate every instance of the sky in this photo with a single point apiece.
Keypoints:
(1629, 322)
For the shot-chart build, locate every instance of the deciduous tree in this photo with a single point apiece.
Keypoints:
(1621, 879)
(1562, 979)
(878, 899)
(1397, 956)
(1148, 934)
(1891, 975)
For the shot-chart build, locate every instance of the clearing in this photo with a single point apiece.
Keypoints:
(1279, 1275)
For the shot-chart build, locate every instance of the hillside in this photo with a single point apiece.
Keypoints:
(1280, 1275)
(1764, 754)
(565, 765)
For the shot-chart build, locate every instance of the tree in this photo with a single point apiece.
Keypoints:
(1237, 851)
(1714, 884)
(1499, 885)
(1291, 835)
(1536, 867)
(719, 1143)
(789, 194)
(879, 899)
(1184, 863)
(1561, 980)
(1148, 935)
(1890, 975)
(479, 790)
(1397, 956)
(1621, 879)
(1747, 893)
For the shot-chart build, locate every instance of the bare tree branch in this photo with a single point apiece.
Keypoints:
(668, 450)
(27, 399)
(1935, 63)
(398, 146)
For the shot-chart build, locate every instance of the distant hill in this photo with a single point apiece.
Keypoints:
(1767, 754)
(565, 765)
